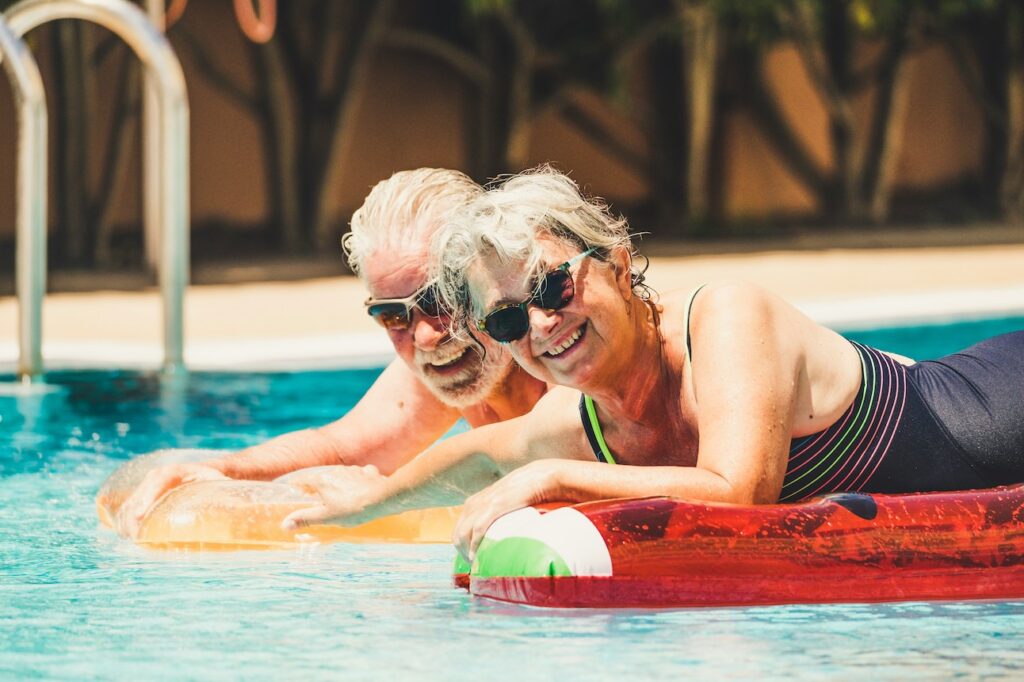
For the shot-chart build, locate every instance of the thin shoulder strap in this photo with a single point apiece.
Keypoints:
(686, 320)
(588, 414)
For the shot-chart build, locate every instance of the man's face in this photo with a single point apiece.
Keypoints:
(459, 372)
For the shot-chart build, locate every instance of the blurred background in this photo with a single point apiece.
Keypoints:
(698, 119)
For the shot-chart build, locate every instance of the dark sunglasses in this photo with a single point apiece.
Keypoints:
(511, 322)
(395, 314)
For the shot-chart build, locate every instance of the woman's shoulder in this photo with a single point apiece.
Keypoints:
(558, 399)
(554, 425)
(718, 298)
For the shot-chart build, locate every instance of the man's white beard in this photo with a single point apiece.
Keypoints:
(483, 374)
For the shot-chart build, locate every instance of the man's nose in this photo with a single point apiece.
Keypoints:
(428, 332)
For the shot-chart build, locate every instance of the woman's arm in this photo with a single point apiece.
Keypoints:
(577, 481)
(453, 469)
(749, 377)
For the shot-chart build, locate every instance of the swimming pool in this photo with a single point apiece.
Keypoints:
(78, 603)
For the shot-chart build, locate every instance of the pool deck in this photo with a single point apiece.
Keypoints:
(320, 321)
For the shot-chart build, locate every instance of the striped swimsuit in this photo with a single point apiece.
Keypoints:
(846, 455)
(949, 424)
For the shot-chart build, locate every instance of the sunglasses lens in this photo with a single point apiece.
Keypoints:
(511, 323)
(508, 324)
(391, 316)
(555, 291)
(427, 302)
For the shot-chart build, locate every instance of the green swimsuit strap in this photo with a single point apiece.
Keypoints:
(588, 414)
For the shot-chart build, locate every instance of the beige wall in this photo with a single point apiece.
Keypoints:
(414, 115)
(944, 135)
(415, 112)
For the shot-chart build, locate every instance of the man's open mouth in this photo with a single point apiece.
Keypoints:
(448, 360)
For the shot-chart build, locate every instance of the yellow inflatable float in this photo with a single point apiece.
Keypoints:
(233, 515)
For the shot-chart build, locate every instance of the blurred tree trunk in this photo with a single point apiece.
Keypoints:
(275, 109)
(669, 114)
(755, 95)
(117, 159)
(74, 113)
(87, 189)
(825, 50)
(527, 79)
(700, 36)
(347, 88)
(884, 142)
(1012, 186)
(310, 78)
(865, 154)
(984, 65)
(476, 69)
(519, 99)
(993, 71)
(492, 126)
(887, 144)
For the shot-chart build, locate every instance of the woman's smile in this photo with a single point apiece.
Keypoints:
(567, 345)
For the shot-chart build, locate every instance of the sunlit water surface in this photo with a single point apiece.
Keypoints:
(77, 603)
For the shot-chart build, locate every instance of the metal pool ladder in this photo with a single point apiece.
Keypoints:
(166, 193)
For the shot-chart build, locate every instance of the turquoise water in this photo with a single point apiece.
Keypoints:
(78, 603)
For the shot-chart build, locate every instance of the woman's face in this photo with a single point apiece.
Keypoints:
(574, 345)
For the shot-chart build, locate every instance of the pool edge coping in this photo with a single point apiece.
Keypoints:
(373, 349)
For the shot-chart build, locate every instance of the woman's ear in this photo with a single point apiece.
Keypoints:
(623, 263)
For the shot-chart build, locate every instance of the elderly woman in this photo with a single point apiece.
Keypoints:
(727, 394)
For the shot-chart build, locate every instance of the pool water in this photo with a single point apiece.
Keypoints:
(77, 603)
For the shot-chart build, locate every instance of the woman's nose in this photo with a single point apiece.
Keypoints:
(542, 322)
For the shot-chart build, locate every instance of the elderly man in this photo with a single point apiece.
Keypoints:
(435, 380)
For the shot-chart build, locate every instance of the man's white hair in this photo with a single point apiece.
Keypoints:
(507, 220)
(405, 209)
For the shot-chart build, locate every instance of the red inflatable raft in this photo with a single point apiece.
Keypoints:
(660, 552)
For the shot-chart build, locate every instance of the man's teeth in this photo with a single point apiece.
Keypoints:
(447, 360)
(564, 346)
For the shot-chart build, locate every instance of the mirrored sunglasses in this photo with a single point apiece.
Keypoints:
(395, 314)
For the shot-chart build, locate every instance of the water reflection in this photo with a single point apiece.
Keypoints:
(77, 602)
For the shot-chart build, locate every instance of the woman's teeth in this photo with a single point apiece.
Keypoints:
(448, 360)
(567, 344)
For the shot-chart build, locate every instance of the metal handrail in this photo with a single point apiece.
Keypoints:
(31, 198)
(154, 50)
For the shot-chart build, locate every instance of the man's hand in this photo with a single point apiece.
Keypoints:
(153, 487)
(344, 491)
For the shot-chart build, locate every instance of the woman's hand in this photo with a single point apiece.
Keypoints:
(344, 492)
(154, 486)
(528, 485)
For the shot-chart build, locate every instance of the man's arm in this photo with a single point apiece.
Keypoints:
(396, 419)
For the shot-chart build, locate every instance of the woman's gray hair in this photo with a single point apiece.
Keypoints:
(405, 209)
(506, 221)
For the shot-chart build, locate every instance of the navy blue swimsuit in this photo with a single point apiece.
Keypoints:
(950, 424)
